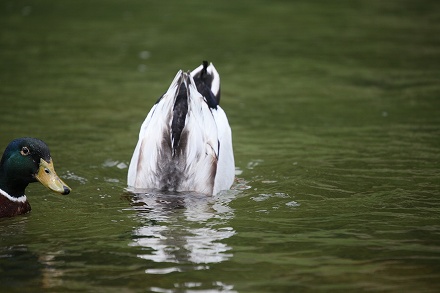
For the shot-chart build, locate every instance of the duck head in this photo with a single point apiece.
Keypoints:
(28, 160)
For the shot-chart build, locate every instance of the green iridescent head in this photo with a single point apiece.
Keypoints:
(28, 160)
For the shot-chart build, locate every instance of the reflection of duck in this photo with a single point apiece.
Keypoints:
(24, 161)
(185, 142)
(183, 230)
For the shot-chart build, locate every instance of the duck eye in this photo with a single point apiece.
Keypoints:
(24, 151)
(46, 170)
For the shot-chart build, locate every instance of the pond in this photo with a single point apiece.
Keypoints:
(335, 114)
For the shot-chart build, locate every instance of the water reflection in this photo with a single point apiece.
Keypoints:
(12, 261)
(185, 229)
(21, 265)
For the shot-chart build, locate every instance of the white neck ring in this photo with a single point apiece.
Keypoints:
(22, 198)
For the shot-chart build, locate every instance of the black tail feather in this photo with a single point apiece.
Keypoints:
(203, 82)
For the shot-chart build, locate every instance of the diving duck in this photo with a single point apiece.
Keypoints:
(24, 161)
(185, 142)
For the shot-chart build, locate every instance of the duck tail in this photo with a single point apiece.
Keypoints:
(207, 81)
(180, 111)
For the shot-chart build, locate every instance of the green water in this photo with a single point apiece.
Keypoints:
(335, 112)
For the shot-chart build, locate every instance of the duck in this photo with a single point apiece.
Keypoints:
(25, 160)
(185, 142)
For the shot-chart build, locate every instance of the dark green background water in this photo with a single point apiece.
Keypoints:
(335, 112)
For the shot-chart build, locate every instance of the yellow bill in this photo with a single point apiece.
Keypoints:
(49, 178)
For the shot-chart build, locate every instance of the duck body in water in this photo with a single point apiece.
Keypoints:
(185, 143)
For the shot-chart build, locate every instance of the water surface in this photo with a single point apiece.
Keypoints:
(335, 113)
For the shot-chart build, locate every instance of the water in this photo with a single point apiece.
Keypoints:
(335, 114)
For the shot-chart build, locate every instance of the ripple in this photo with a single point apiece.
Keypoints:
(72, 176)
(293, 204)
(254, 163)
(184, 229)
(113, 163)
(212, 287)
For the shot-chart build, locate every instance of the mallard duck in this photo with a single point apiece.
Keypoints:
(185, 143)
(24, 161)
